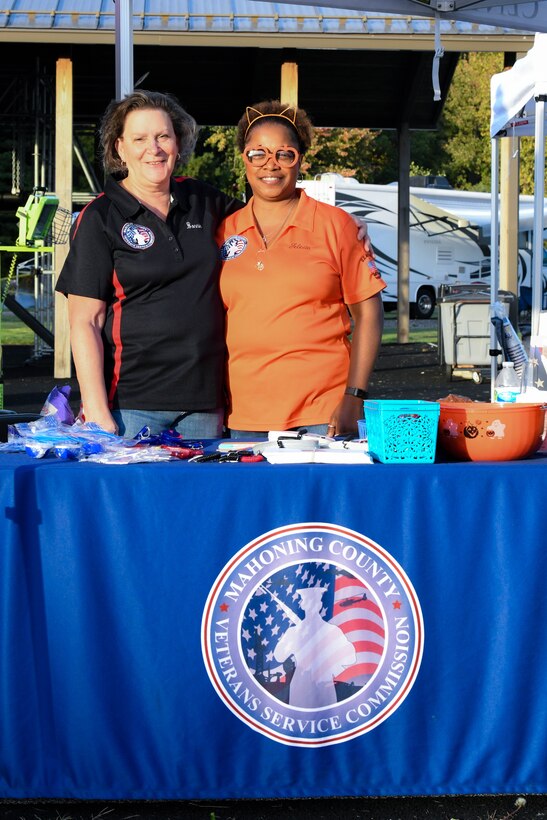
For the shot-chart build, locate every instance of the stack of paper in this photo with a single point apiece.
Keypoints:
(290, 447)
(305, 451)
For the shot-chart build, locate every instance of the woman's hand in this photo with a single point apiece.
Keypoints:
(103, 419)
(362, 235)
(344, 420)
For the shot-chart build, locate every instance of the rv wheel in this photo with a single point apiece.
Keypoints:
(424, 305)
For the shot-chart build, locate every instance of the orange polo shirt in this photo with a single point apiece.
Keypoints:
(287, 325)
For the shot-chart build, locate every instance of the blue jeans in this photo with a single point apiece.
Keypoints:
(201, 424)
(250, 435)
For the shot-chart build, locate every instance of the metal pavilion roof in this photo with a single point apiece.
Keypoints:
(221, 16)
(366, 70)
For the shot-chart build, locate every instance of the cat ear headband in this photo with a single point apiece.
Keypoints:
(253, 115)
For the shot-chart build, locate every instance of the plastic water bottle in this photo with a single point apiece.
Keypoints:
(529, 376)
(507, 384)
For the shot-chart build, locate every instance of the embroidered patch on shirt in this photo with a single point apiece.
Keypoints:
(137, 236)
(232, 247)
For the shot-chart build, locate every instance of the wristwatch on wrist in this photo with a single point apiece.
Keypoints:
(357, 392)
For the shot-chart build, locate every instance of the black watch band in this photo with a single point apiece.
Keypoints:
(357, 392)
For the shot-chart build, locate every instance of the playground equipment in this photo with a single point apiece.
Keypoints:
(42, 226)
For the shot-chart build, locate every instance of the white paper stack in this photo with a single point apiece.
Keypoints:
(318, 450)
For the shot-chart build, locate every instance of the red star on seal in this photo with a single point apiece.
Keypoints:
(396, 604)
(224, 607)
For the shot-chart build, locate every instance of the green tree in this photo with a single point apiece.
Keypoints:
(465, 127)
(351, 152)
(357, 152)
(466, 122)
(527, 165)
(216, 160)
(460, 148)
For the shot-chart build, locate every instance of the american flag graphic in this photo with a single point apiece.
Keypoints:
(345, 603)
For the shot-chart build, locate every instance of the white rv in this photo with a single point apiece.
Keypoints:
(477, 208)
(449, 237)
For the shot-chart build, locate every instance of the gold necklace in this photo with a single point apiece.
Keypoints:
(269, 240)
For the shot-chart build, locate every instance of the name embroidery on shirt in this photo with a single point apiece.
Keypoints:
(190, 226)
(232, 247)
(138, 237)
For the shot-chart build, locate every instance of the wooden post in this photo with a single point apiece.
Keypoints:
(509, 214)
(63, 189)
(509, 204)
(289, 83)
(403, 235)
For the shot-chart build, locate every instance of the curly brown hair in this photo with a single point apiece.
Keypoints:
(277, 112)
(113, 123)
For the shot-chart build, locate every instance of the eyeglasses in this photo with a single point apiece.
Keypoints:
(285, 156)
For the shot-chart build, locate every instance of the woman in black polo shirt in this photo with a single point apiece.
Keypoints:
(146, 320)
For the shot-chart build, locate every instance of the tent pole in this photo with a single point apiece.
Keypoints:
(539, 194)
(494, 247)
(124, 48)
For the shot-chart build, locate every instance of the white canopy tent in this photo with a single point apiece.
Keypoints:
(518, 109)
(514, 14)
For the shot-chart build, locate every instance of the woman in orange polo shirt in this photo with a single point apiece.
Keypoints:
(291, 268)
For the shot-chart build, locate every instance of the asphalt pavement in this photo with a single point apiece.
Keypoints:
(408, 371)
(483, 807)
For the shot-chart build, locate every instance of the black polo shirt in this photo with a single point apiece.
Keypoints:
(164, 346)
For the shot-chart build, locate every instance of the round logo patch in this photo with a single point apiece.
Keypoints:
(232, 247)
(137, 236)
(312, 634)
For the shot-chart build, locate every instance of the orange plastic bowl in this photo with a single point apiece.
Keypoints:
(490, 431)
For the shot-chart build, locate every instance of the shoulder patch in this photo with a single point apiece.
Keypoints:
(232, 247)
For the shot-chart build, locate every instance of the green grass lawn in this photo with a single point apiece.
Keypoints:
(421, 331)
(420, 335)
(14, 332)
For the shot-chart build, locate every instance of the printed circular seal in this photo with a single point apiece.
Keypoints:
(137, 236)
(312, 634)
(232, 247)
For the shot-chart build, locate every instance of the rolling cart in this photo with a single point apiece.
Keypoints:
(464, 329)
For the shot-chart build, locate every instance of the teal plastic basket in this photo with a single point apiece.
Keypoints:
(403, 432)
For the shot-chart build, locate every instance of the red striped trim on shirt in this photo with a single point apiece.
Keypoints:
(80, 215)
(116, 337)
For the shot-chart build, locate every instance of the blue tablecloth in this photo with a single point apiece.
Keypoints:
(122, 586)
